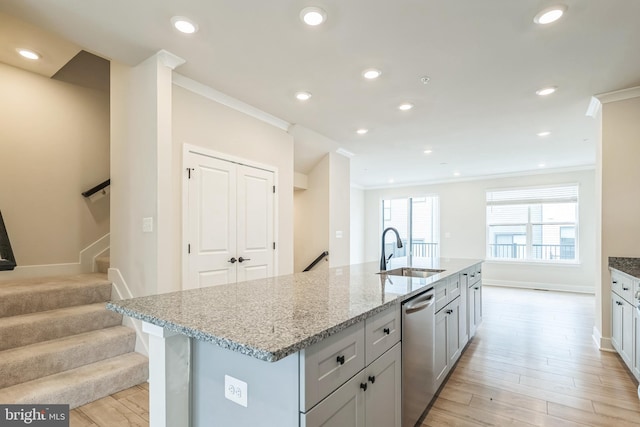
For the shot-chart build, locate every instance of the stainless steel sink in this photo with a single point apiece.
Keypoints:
(412, 272)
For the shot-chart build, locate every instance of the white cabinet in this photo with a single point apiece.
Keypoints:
(624, 320)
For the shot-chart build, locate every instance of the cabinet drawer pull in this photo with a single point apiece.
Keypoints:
(363, 386)
(340, 360)
(615, 283)
(625, 289)
(476, 288)
(372, 378)
(464, 274)
(386, 331)
(449, 311)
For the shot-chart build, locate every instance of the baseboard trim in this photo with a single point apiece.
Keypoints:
(29, 271)
(604, 344)
(536, 285)
(122, 291)
(89, 254)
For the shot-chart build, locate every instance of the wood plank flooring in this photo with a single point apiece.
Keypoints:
(532, 363)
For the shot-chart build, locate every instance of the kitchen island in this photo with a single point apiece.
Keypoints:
(243, 353)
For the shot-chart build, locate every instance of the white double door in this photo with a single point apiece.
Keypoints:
(230, 222)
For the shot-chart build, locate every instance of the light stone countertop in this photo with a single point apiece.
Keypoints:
(272, 318)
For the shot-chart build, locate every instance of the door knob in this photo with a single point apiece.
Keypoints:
(243, 259)
(232, 260)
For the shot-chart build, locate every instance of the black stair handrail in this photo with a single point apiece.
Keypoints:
(317, 260)
(7, 259)
(97, 188)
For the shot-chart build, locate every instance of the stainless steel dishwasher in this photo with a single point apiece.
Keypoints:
(418, 378)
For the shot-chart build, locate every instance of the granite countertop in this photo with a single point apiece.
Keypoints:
(630, 266)
(272, 318)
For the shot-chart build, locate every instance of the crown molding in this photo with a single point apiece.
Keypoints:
(619, 95)
(170, 60)
(224, 99)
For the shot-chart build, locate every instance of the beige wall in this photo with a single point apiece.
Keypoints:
(339, 203)
(618, 164)
(462, 216)
(54, 144)
(311, 235)
(202, 122)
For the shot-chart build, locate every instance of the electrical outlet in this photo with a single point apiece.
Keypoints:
(235, 390)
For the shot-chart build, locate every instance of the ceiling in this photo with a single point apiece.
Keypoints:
(479, 114)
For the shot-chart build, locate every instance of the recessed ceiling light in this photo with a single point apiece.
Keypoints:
(313, 15)
(456, 174)
(29, 54)
(391, 181)
(303, 96)
(184, 25)
(405, 106)
(545, 133)
(541, 165)
(362, 131)
(371, 74)
(550, 14)
(428, 151)
(546, 90)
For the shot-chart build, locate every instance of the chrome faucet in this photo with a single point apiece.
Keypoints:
(383, 258)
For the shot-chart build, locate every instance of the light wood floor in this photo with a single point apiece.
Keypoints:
(532, 362)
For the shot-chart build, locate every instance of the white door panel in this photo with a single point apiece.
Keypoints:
(230, 215)
(255, 223)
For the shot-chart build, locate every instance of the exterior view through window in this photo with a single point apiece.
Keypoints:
(533, 224)
(417, 220)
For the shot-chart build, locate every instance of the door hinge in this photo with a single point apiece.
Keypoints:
(189, 172)
(274, 189)
(274, 245)
(189, 248)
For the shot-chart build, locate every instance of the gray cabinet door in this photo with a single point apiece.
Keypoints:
(636, 350)
(345, 407)
(627, 333)
(453, 331)
(616, 322)
(440, 345)
(471, 312)
(383, 403)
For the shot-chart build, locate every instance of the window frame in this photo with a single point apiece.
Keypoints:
(529, 225)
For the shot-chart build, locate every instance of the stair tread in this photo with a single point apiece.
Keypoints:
(26, 329)
(39, 284)
(49, 357)
(64, 387)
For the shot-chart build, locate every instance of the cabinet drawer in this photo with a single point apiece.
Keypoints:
(327, 365)
(475, 275)
(441, 294)
(622, 285)
(381, 332)
(453, 287)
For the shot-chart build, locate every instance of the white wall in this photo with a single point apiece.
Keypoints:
(54, 144)
(619, 152)
(202, 122)
(462, 216)
(357, 227)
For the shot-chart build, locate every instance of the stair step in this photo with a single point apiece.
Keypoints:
(103, 263)
(18, 331)
(22, 364)
(40, 294)
(82, 385)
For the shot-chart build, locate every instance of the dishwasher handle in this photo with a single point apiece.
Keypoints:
(419, 304)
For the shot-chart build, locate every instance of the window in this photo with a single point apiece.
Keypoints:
(534, 224)
(417, 220)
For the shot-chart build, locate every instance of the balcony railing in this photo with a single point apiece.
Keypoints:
(418, 249)
(542, 252)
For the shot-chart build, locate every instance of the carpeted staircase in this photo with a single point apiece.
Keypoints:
(58, 343)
